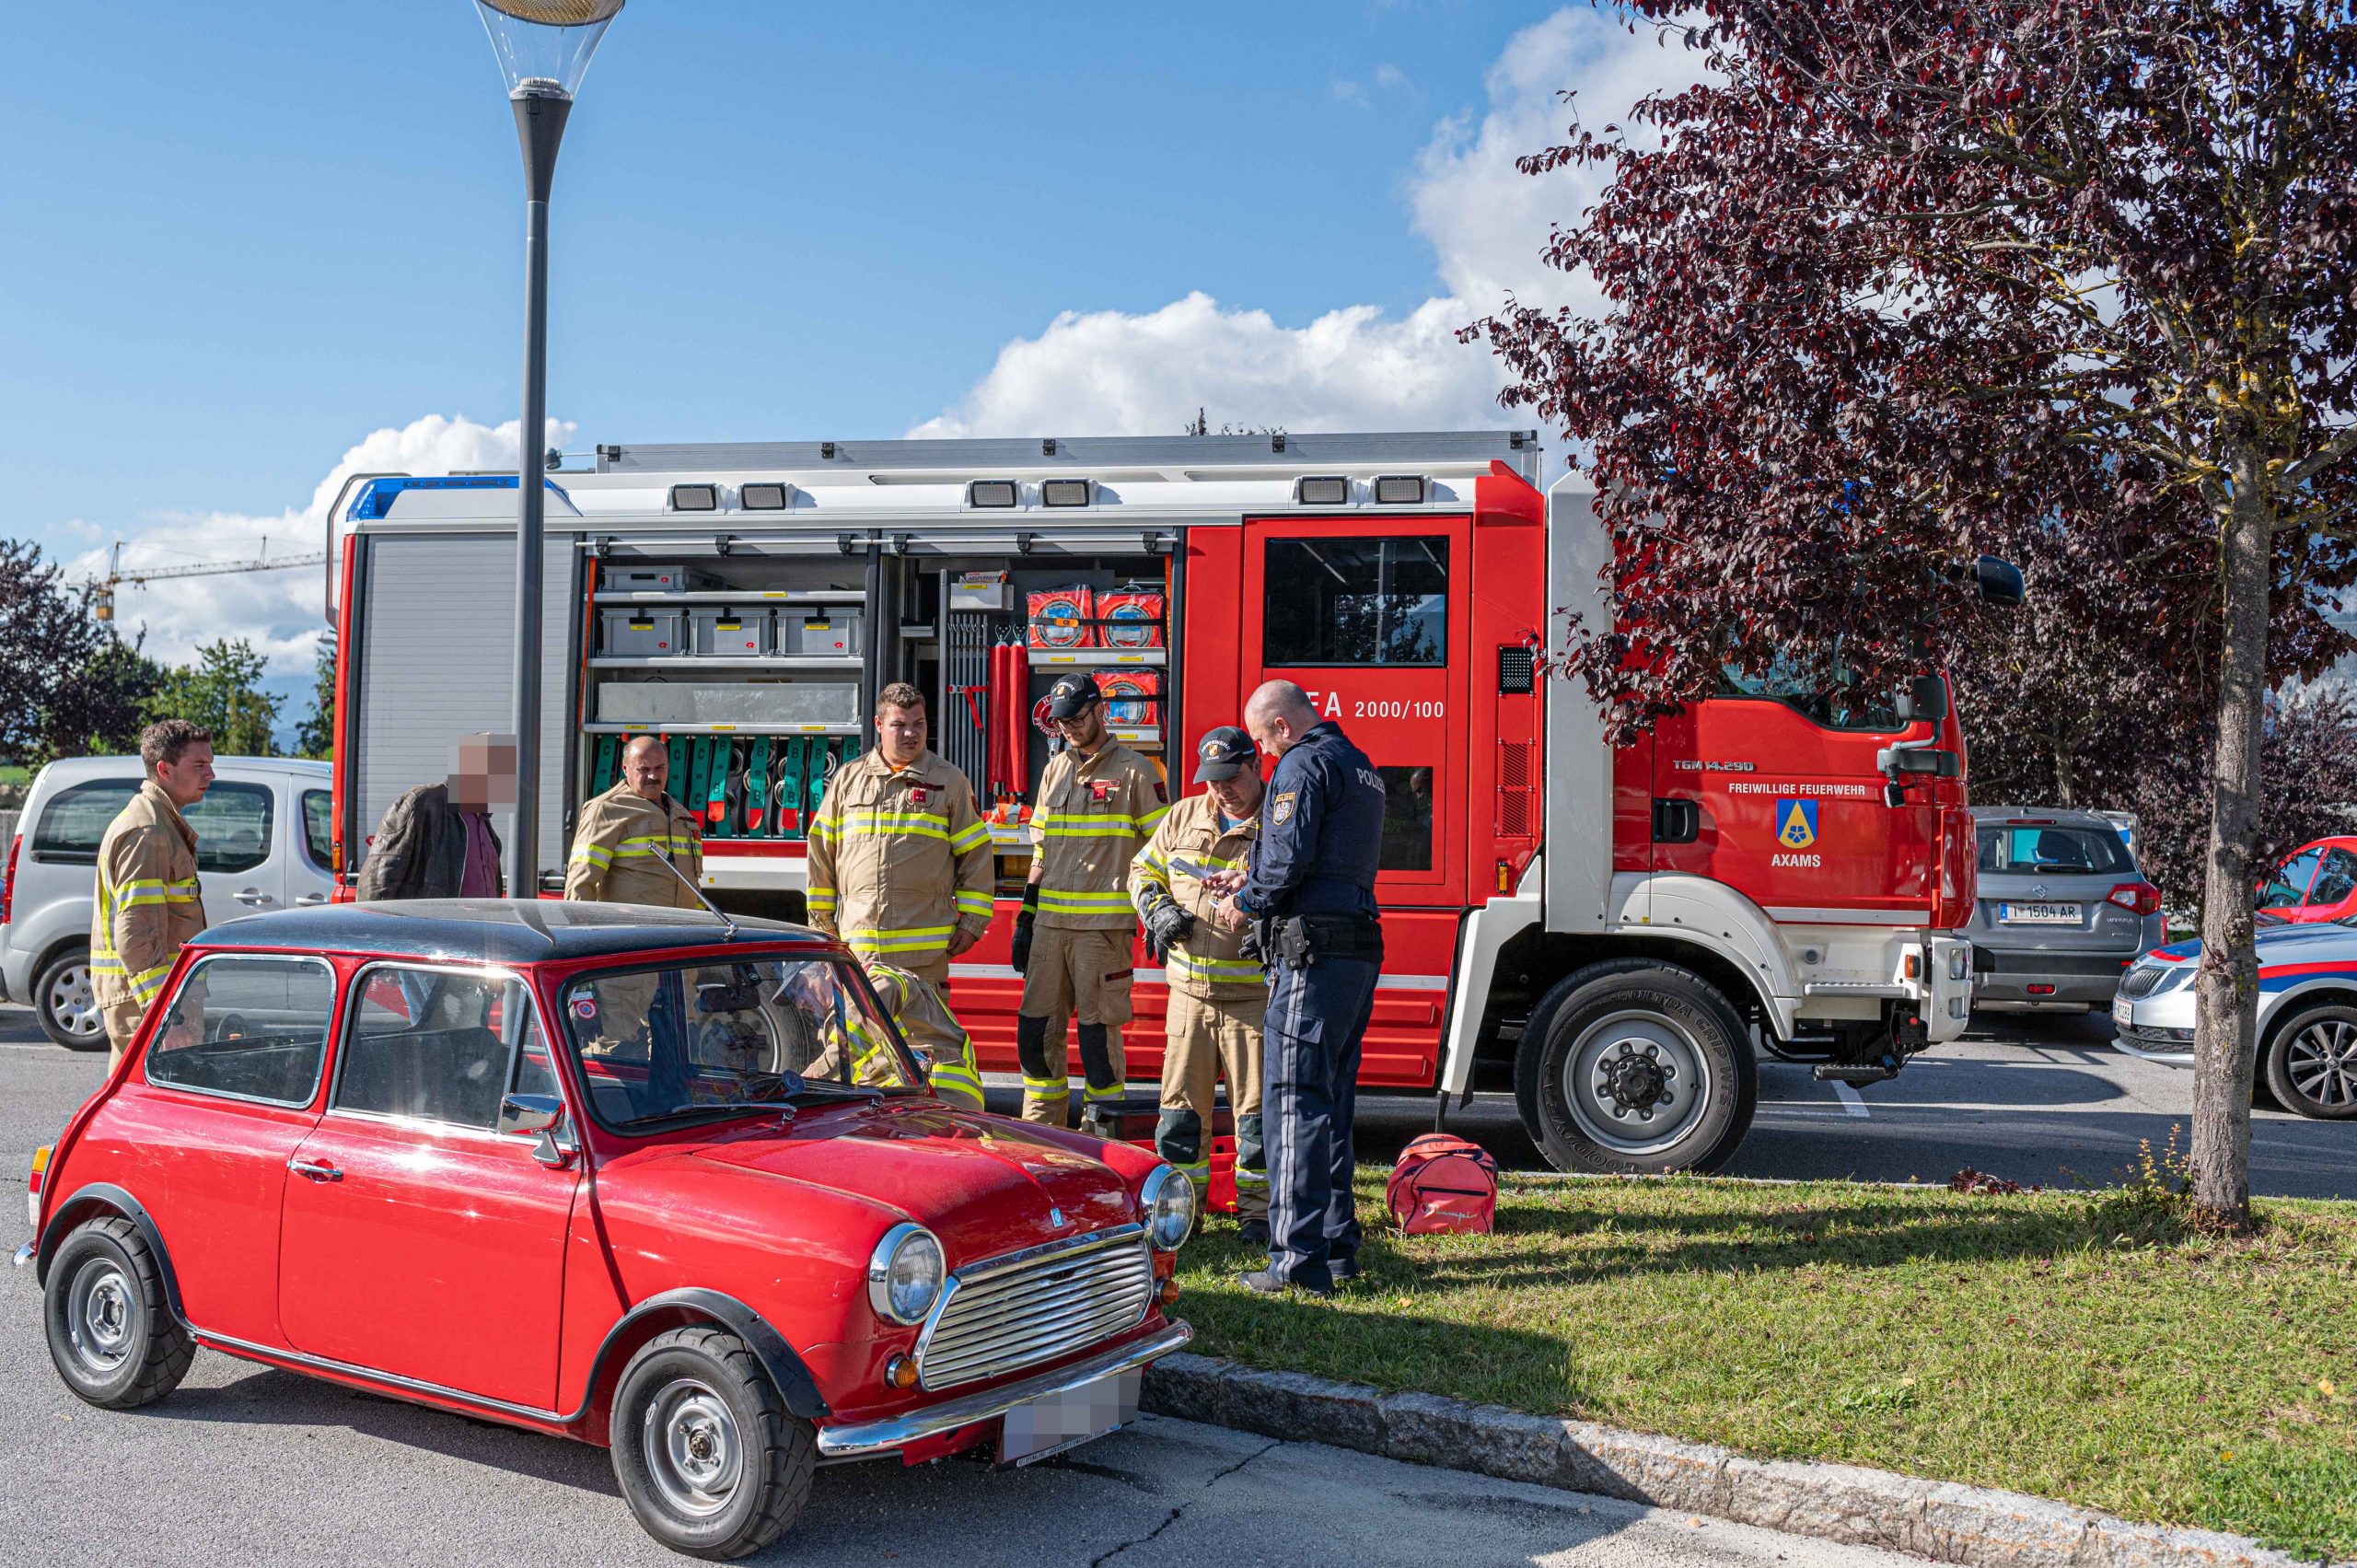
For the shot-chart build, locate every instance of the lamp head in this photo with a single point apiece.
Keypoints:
(544, 45)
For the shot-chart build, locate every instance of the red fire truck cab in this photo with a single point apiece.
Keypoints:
(1615, 933)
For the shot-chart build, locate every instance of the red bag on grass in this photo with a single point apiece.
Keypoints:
(1443, 1183)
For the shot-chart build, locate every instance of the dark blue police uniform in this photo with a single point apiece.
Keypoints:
(1321, 835)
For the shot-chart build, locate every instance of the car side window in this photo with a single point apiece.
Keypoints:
(2336, 880)
(440, 1045)
(2287, 885)
(318, 808)
(75, 819)
(246, 1025)
(232, 826)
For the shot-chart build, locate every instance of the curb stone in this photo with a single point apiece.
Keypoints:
(1977, 1527)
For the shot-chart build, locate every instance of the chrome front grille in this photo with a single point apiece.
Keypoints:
(2140, 981)
(1007, 1313)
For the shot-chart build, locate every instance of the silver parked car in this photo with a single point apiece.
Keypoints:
(2063, 910)
(2308, 1012)
(262, 844)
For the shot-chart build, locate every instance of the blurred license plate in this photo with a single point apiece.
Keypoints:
(2037, 914)
(1052, 1423)
(2123, 1011)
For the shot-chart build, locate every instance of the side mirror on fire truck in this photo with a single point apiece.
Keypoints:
(1925, 699)
(1998, 582)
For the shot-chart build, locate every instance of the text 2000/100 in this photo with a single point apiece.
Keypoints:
(1400, 710)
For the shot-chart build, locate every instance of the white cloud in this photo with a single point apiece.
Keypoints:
(1355, 367)
(280, 612)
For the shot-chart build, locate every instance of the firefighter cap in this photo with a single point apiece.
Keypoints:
(1225, 752)
(1072, 696)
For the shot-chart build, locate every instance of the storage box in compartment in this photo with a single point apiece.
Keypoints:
(819, 631)
(1063, 619)
(1129, 618)
(630, 634)
(650, 580)
(729, 632)
(696, 704)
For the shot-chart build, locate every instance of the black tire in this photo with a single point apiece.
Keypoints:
(1673, 1029)
(2310, 1062)
(695, 1406)
(82, 1026)
(111, 1331)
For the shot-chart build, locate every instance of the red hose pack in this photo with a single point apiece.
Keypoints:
(1132, 697)
(1129, 619)
(1064, 618)
(1444, 1184)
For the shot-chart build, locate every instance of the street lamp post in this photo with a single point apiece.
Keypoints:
(544, 48)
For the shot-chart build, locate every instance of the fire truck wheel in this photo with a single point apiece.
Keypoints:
(1636, 1067)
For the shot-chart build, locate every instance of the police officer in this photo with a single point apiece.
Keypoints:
(149, 904)
(1311, 888)
(900, 867)
(1099, 801)
(1218, 997)
(627, 833)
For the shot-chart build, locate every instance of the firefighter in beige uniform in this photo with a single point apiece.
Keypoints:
(1218, 997)
(902, 869)
(618, 854)
(149, 904)
(1099, 801)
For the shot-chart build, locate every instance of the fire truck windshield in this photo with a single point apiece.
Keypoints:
(1826, 695)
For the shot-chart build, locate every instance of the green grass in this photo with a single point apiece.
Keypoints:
(2084, 1346)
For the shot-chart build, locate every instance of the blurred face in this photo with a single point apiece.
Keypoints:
(902, 733)
(1238, 796)
(1085, 731)
(482, 774)
(185, 781)
(647, 768)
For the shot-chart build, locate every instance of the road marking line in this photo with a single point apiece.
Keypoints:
(1853, 1101)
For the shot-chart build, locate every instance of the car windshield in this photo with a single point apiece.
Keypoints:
(2052, 850)
(660, 1047)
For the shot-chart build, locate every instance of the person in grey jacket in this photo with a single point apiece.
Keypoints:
(435, 840)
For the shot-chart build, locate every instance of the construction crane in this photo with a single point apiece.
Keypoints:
(101, 589)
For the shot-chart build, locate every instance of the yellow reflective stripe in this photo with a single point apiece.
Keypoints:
(1200, 1173)
(590, 855)
(1060, 902)
(1195, 866)
(1046, 1086)
(1054, 819)
(963, 1083)
(973, 904)
(972, 836)
(1096, 1095)
(1148, 820)
(148, 982)
(1216, 969)
(907, 939)
(107, 965)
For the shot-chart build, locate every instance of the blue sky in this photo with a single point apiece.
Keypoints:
(243, 238)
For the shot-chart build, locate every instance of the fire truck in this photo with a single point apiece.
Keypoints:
(1615, 933)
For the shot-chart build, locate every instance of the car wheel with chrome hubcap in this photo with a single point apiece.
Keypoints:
(708, 1457)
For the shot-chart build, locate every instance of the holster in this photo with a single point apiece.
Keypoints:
(1302, 940)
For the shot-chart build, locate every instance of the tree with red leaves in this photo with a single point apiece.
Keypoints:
(2065, 280)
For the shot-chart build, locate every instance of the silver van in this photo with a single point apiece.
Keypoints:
(262, 844)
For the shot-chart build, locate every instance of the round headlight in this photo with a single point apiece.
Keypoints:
(1168, 1206)
(904, 1274)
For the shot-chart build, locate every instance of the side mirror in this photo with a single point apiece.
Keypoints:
(543, 1114)
(1893, 760)
(1999, 582)
(1926, 698)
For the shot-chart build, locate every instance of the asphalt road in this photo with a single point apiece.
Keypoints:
(248, 1464)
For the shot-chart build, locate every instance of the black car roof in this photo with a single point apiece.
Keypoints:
(508, 931)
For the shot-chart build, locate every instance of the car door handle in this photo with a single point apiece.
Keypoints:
(310, 898)
(253, 896)
(317, 1170)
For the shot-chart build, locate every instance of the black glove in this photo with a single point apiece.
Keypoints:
(1166, 925)
(1019, 951)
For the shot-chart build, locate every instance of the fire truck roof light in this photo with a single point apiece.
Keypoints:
(696, 498)
(760, 497)
(1400, 490)
(1323, 490)
(1064, 492)
(991, 493)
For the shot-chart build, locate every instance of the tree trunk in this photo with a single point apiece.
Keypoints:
(2063, 794)
(2226, 989)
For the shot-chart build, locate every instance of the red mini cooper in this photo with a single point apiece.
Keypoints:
(635, 1176)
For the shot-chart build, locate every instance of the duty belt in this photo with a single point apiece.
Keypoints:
(1301, 940)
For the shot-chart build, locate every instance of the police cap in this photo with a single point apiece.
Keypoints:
(1225, 752)
(1072, 696)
